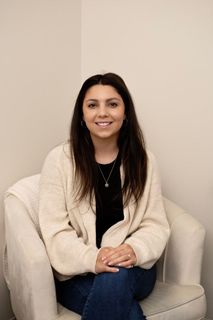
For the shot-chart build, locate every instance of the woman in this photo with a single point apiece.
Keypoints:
(101, 212)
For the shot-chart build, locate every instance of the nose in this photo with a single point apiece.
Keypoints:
(102, 111)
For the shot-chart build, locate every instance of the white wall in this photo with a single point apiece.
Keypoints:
(164, 49)
(39, 79)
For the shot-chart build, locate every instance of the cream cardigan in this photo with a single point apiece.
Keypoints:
(68, 227)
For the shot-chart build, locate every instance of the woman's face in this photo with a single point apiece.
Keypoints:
(103, 112)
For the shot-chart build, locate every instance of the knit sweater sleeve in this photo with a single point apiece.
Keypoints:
(68, 253)
(149, 238)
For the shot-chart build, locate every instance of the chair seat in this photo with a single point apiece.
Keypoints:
(167, 301)
(177, 302)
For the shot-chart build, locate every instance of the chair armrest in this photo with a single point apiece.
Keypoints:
(184, 252)
(29, 272)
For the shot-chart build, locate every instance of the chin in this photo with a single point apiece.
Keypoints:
(105, 136)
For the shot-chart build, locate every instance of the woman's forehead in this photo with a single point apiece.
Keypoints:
(100, 91)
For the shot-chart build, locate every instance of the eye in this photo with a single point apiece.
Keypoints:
(113, 104)
(92, 105)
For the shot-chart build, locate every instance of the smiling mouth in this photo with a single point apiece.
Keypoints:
(103, 124)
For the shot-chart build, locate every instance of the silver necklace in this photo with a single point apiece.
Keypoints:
(106, 180)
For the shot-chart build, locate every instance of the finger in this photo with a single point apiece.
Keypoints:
(104, 255)
(126, 264)
(119, 260)
(111, 269)
(114, 254)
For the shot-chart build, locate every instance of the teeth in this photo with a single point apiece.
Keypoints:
(103, 124)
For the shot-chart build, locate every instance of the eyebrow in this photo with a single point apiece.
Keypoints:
(107, 100)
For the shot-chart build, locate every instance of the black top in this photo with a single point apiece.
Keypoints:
(109, 204)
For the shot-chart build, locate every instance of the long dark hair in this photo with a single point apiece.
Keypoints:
(131, 144)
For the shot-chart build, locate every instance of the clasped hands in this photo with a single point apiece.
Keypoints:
(109, 258)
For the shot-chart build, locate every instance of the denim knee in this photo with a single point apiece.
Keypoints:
(118, 279)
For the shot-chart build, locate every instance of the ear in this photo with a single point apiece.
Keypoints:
(125, 121)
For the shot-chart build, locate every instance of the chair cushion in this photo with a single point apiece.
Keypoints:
(172, 301)
(167, 301)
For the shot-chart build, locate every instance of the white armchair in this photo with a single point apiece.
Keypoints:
(177, 295)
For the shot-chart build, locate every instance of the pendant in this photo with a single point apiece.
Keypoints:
(106, 184)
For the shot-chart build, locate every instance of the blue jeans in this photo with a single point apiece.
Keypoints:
(107, 296)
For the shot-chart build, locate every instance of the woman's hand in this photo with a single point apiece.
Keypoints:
(122, 256)
(100, 265)
(109, 258)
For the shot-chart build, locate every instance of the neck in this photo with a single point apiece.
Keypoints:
(105, 151)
